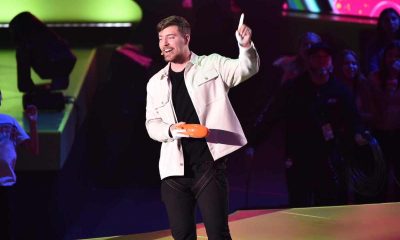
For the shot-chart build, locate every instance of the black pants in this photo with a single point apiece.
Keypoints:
(5, 217)
(180, 201)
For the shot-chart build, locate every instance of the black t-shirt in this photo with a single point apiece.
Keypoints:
(195, 150)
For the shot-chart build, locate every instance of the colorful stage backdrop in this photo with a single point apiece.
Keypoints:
(361, 8)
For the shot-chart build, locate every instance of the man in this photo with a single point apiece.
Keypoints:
(12, 135)
(293, 66)
(321, 124)
(194, 89)
(319, 111)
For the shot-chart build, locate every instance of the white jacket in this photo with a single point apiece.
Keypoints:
(208, 80)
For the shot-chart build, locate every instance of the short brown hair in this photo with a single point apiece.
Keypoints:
(182, 24)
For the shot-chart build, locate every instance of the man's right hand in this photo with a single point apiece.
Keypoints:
(175, 132)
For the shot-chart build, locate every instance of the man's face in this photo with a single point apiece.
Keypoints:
(320, 66)
(320, 61)
(173, 44)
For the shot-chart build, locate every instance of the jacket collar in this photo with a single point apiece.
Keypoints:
(193, 61)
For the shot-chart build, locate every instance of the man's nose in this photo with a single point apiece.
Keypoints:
(165, 42)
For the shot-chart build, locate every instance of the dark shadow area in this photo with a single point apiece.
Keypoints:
(121, 152)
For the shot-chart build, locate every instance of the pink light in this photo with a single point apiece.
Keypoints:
(187, 4)
(135, 54)
(235, 7)
(368, 8)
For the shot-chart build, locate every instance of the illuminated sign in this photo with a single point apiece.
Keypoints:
(362, 8)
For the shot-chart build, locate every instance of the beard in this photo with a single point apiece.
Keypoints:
(175, 58)
(168, 57)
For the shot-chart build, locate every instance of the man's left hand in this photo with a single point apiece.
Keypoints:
(243, 34)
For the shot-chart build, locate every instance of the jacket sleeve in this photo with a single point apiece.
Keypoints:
(235, 71)
(156, 128)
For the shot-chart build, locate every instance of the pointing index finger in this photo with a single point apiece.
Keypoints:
(241, 20)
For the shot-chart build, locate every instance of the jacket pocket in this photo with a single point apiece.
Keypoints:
(207, 76)
(163, 108)
(210, 87)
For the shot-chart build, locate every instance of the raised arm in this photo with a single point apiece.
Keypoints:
(235, 71)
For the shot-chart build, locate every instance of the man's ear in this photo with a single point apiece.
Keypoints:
(187, 38)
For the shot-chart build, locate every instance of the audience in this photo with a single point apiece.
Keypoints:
(387, 125)
(388, 29)
(322, 125)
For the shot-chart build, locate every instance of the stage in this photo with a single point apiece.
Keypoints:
(352, 222)
(82, 185)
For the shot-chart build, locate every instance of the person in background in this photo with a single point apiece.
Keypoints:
(364, 184)
(387, 125)
(347, 70)
(321, 124)
(13, 135)
(293, 66)
(388, 29)
(194, 89)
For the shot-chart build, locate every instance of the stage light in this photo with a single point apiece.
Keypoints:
(356, 8)
(41, 49)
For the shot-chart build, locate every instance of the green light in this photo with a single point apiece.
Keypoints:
(298, 4)
(56, 11)
(312, 6)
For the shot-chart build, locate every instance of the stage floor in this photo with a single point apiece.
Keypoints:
(351, 222)
(56, 129)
